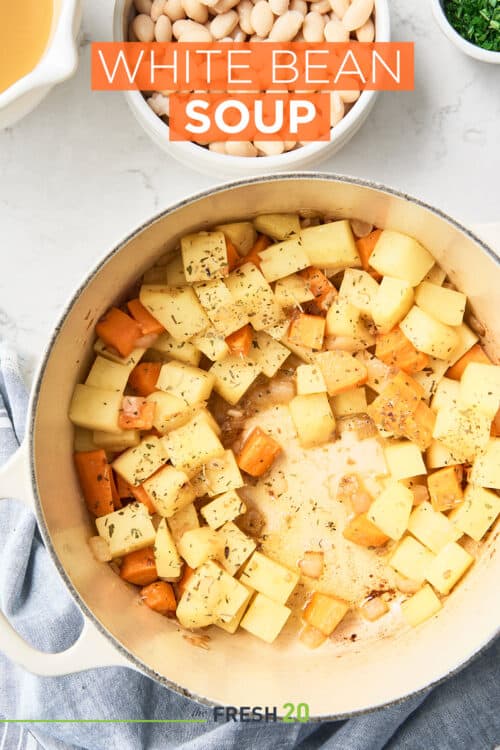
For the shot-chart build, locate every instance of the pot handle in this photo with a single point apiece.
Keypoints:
(92, 648)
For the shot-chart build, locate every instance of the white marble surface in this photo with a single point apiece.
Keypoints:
(79, 173)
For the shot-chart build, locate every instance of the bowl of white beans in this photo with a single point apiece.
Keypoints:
(251, 21)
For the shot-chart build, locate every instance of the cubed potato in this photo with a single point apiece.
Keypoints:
(283, 259)
(307, 331)
(325, 612)
(391, 302)
(108, 375)
(446, 395)
(432, 528)
(306, 354)
(169, 490)
(177, 308)
(486, 467)
(233, 377)
(170, 348)
(236, 547)
(411, 559)
(448, 567)
(83, 440)
(444, 304)
(391, 510)
(137, 464)
(174, 271)
(466, 340)
(429, 335)
(226, 314)
(224, 508)
(126, 530)
(267, 353)
(477, 513)
(254, 297)
(212, 344)
(360, 530)
(350, 402)
(204, 256)
(197, 546)
(480, 388)
(398, 255)
(278, 331)
(430, 377)
(341, 371)
(269, 577)
(232, 625)
(116, 441)
(168, 561)
(309, 379)
(189, 383)
(331, 246)
(95, 408)
(221, 475)
(404, 459)
(265, 618)
(130, 362)
(421, 606)
(344, 319)
(419, 426)
(170, 411)
(184, 520)
(277, 226)
(292, 291)
(445, 487)
(436, 275)
(359, 288)
(241, 233)
(465, 434)
(192, 611)
(313, 419)
(223, 595)
(192, 445)
(438, 455)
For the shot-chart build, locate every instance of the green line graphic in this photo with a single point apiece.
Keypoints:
(103, 721)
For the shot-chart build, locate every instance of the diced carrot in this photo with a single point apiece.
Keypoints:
(495, 425)
(117, 502)
(445, 487)
(124, 488)
(136, 413)
(187, 574)
(398, 402)
(119, 330)
(403, 380)
(142, 496)
(307, 330)
(394, 348)
(233, 257)
(258, 453)
(253, 256)
(147, 322)
(320, 305)
(475, 354)
(419, 426)
(160, 597)
(366, 246)
(240, 341)
(144, 377)
(325, 612)
(362, 531)
(139, 567)
(94, 474)
(316, 280)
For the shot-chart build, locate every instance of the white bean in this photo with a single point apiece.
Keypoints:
(238, 35)
(335, 31)
(163, 29)
(180, 26)
(195, 32)
(357, 14)
(218, 147)
(279, 7)
(209, 3)
(174, 10)
(286, 26)
(224, 5)
(195, 10)
(224, 24)
(157, 9)
(143, 6)
(323, 6)
(313, 27)
(337, 108)
(300, 6)
(262, 18)
(270, 148)
(159, 104)
(240, 148)
(245, 8)
(349, 97)
(339, 7)
(366, 32)
(144, 28)
(131, 33)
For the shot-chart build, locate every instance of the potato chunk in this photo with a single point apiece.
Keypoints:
(313, 419)
(108, 375)
(309, 380)
(254, 297)
(344, 319)
(292, 291)
(184, 520)
(359, 288)
(420, 606)
(267, 353)
(398, 255)
(95, 408)
(169, 490)
(137, 464)
(221, 474)
(486, 467)
(480, 388)
(444, 304)
(390, 511)
(226, 314)
(269, 577)
(277, 226)
(170, 348)
(283, 259)
(241, 233)
(448, 566)
(404, 460)
(197, 546)
(233, 377)
(411, 559)
(126, 530)
(222, 594)
(177, 308)
(341, 371)
(391, 302)
(465, 434)
(432, 528)
(429, 335)
(224, 508)
(168, 562)
(236, 547)
(265, 618)
(170, 411)
(477, 513)
(192, 445)
(331, 246)
(204, 256)
(188, 383)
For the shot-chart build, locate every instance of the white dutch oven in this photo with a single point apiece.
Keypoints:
(335, 680)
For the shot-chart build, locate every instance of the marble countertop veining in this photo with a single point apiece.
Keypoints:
(78, 173)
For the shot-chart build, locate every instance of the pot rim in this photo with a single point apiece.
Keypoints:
(40, 373)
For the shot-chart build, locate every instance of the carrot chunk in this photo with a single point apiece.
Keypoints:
(124, 488)
(325, 612)
(136, 413)
(240, 341)
(187, 574)
(362, 531)
(160, 597)
(94, 474)
(139, 567)
(233, 258)
(142, 496)
(147, 322)
(419, 426)
(316, 281)
(394, 348)
(445, 487)
(476, 354)
(258, 453)
(307, 330)
(253, 256)
(366, 246)
(144, 377)
(119, 330)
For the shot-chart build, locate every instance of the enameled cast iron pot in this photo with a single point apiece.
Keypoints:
(335, 680)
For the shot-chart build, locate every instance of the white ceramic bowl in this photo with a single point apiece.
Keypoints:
(472, 50)
(220, 165)
(58, 62)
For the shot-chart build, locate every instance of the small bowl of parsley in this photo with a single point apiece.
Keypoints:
(472, 25)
